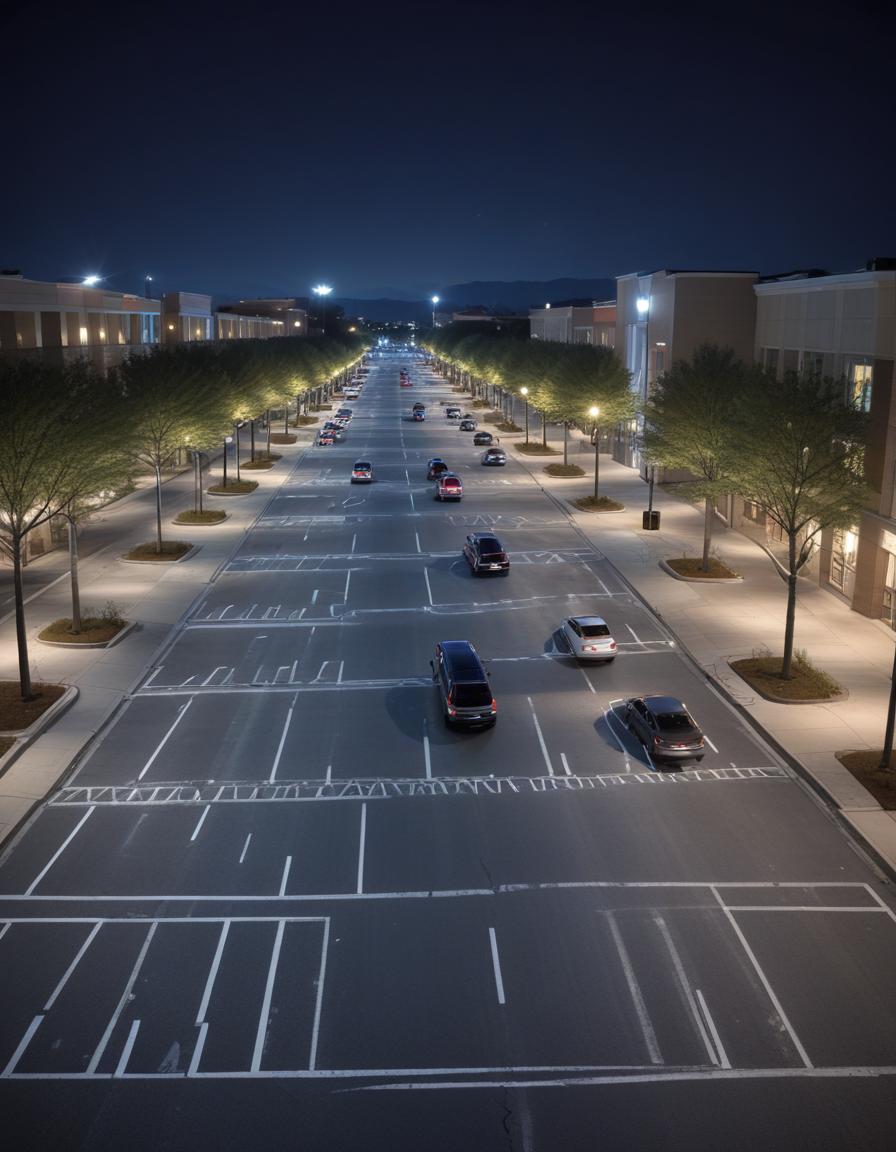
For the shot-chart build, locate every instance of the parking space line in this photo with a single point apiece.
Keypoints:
(180, 715)
(804, 1056)
(710, 743)
(314, 595)
(264, 1015)
(426, 753)
(587, 681)
(315, 1028)
(283, 735)
(686, 988)
(245, 848)
(123, 1001)
(74, 964)
(634, 988)
(341, 666)
(200, 822)
(417, 538)
(197, 1051)
(23, 1044)
(428, 588)
(361, 839)
(565, 764)
(544, 750)
(354, 542)
(634, 634)
(126, 1051)
(496, 964)
(286, 868)
(212, 973)
(348, 577)
(884, 907)
(62, 847)
(711, 1025)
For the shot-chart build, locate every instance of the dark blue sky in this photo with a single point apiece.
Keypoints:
(392, 149)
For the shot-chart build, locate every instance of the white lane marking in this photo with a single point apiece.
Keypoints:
(200, 823)
(286, 867)
(125, 999)
(126, 1051)
(426, 755)
(634, 988)
(295, 664)
(320, 671)
(354, 542)
(341, 667)
(264, 1015)
(245, 848)
(496, 964)
(65, 843)
(544, 750)
(563, 761)
(605, 588)
(146, 683)
(212, 973)
(417, 538)
(686, 988)
(23, 1044)
(710, 743)
(6, 927)
(803, 1054)
(214, 672)
(329, 777)
(348, 577)
(587, 681)
(634, 634)
(883, 907)
(361, 840)
(711, 1024)
(182, 711)
(411, 494)
(314, 595)
(197, 1051)
(406, 476)
(283, 735)
(428, 588)
(608, 712)
(74, 964)
(312, 1056)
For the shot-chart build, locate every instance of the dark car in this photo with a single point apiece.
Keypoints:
(326, 437)
(484, 553)
(418, 407)
(449, 487)
(436, 468)
(468, 424)
(463, 685)
(665, 728)
(362, 472)
(494, 456)
(483, 438)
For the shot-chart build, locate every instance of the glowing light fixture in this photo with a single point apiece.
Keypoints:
(643, 305)
(90, 280)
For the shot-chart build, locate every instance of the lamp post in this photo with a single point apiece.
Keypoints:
(322, 291)
(435, 301)
(594, 412)
(228, 440)
(147, 280)
(524, 392)
(239, 425)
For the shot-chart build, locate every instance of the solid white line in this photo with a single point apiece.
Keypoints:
(6, 927)
(406, 476)
(341, 667)
(283, 735)
(411, 494)
(544, 750)
(180, 715)
(200, 823)
(74, 964)
(197, 1051)
(329, 777)
(605, 588)
(23, 1044)
(563, 761)
(65, 843)
(634, 988)
(286, 868)
(426, 756)
(348, 577)
(312, 1058)
(354, 542)
(496, 964)
(587, 681)
(710, 743)
(428, 589)
(634, 633)
(295, 665)
(214, 672)
(126, 1051)
(710, 1023)
(686, 988)
(125, 998)
(803, 1054)
(417, 538)
(362, 837)
(266, 1002)
(213, 972)
(314, 595)
(146, 683)
(245, 848)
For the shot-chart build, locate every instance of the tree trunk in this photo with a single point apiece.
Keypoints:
(544, 429)
(790, 619)
(286, 416)
(73, 567)
(707, 532)
(158, 509)
(267, 424)
(199, 468)
(252, 440)
(21, 634)
(565, 436)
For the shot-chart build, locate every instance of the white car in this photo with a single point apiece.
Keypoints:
(351, 393)
(589, 638)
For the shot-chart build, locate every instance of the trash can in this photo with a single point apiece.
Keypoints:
(650, 521)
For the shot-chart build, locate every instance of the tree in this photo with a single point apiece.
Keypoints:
(585, 377)
(802, 462)
(690, 423)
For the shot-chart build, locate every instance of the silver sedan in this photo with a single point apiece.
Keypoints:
(589, 638)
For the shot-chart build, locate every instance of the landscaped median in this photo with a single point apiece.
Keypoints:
(208, 516)
(153, 553)
(805, 685)
(99, 628)
(22, 720)
(233, 488)
(691, 568)
(865, 766)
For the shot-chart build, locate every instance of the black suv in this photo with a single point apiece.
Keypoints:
(665, 728)
(485, 554)
(483, 438)
(463, 685)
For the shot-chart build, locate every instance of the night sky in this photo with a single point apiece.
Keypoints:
(393, 149)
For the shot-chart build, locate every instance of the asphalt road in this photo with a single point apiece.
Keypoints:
(280, 905)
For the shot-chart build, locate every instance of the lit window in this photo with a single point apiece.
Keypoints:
(83, 332)
(860, 386)
(102, 333)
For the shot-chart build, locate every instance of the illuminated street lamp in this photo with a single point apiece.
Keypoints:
(435, 301)
(322, 291)
(524, 392)
(228, 440)
(147, 280)
(594, 412)
(91, 280)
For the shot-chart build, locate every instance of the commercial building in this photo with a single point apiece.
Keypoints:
(259, 319)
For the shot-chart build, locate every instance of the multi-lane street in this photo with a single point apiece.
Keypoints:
(280, 904)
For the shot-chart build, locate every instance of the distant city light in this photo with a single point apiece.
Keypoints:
(547, 305)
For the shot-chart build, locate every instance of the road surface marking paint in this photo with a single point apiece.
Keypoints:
(362, 837)
(146, 683)
(587, 681)
(354, 541)
(883, 907)
(634, 634)
(266, 1002)
(126, 1051)
(212, 974)
(426, 755)
(283, 734)
(686, 988)
(348, 577)
(212, 674)
(200, 823)
(125, 999)
(413, 508)
(65, 843)
(320, 670)
(23, 1044)
(496, 964)
(417, 538)
(312, 1058)
(804, 1056)
(563, 761)
(653, 1048)
(544, 750)
(428, 588)
(74, 964)
(295, 665)
(257, 674)
(286, 868)
(341, 666)
(6, 927)
(329, 773)
(710, 743)
(406, 476)
(245, 849)
(314, 595)
(711, 1025)
(197, 1051)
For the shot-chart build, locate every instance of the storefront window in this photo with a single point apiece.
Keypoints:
(888, 613)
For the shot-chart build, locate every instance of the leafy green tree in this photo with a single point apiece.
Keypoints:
(690, 423)
(586, 377)
(802, 461)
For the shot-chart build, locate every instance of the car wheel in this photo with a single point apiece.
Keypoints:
(506, 572)
(698, 758)
(447, 719)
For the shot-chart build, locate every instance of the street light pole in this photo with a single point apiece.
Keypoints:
(594, 412)
(322, 291)
(524, 391)
(228, 440)
(435, 301)
(147, 280)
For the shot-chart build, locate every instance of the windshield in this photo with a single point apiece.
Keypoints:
(597, 630)
(674, 722)
(471, 696)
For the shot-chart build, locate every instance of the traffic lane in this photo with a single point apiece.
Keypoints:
(283, 588)
(443, 528)
(529, 577)
(125, 744)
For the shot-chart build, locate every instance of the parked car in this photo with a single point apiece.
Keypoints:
(468, 424)
(449, 487)
(664, 727)
(494, 456)
(326, 436)
(418, 415)
(482, 438)
(484, 553)
(352, 393)
(589, 638)
(362, 472)
(435, 468)
(418, 407)
(336, 430)
(464, 689)
(452, 412)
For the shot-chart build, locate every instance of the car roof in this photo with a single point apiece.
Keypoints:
(464, 659)
(591, 620)
(485, 536)
(660, 704)
(436, 460)
(448, 476)
(362, 464)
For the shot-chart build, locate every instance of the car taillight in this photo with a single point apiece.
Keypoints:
(612, 645)
(589, 647)
(494, 708)
(452, 711)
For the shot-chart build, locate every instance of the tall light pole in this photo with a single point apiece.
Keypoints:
(147, 280)
(322, 291)
(524, 392)
(594, 412)
(435, 301)
(228, 440)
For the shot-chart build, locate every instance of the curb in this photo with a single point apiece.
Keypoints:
(25, 737)
(163, 563)
(100, 644)
(710, 580)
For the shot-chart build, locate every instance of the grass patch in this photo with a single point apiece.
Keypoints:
(763, 674)
(481, 404)
(206, 517)
(15, 713)
(601, 504)
(171, 550)
(302, 422)
(6, 742)
(320, 408)
(865, 766)
(234, 488)
(94, 630)
(262, 460)
(282, 438)
(691, 566)
(563, 470)
(536, 448)
(509, 426)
